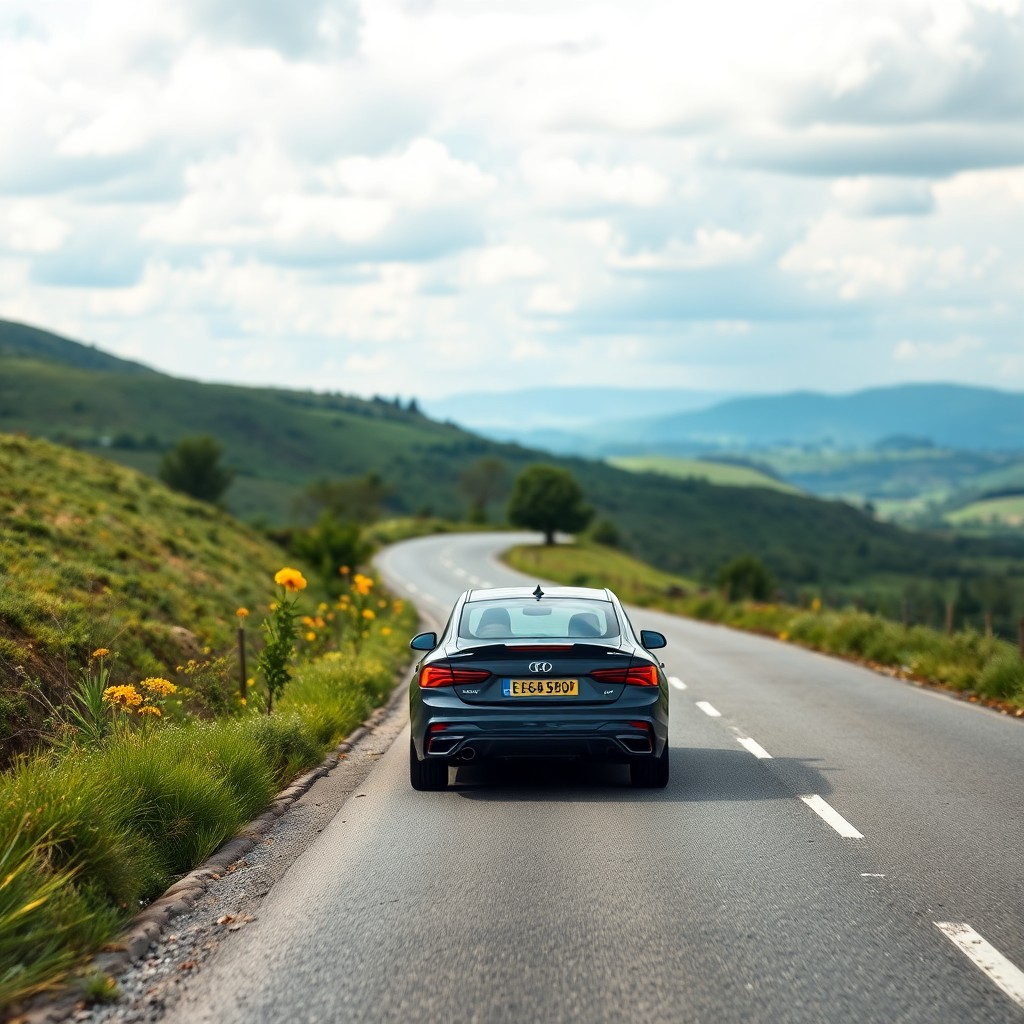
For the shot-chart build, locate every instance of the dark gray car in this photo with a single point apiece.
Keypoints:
(542, 673)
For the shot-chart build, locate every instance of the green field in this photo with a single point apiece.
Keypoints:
(722, 474)
(998, 512)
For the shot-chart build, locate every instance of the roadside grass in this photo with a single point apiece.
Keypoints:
(586, 564)
(980, 666)
(95, 834)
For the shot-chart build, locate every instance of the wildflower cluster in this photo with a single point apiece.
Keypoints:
(358, 609)
(145, 702)
(281, 632)
(317, 629)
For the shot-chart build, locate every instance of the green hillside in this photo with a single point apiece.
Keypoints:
(96, 555)
(278, 441)
(32, 343)
(724, 474)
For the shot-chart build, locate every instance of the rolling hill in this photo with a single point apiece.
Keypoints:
(278, 441)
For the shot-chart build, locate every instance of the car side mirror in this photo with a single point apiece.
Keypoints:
(423, 642)
(652, 640)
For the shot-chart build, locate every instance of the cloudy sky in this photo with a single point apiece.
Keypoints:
(421, 197)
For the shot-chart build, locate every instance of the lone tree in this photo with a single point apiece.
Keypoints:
(193, 467)
(548, 498)
(746, 577)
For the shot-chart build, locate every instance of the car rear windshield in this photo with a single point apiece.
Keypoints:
(529, 619)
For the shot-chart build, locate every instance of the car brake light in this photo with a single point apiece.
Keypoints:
(541, 647)
(447, 675)
(637, 675)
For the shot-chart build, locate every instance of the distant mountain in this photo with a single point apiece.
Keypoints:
(949, 415)
(19, 341)
(535, 415)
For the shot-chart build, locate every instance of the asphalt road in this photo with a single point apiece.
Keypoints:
(808, 885)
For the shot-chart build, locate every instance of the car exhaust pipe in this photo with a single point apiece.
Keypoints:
(467, 753)
(637, 744)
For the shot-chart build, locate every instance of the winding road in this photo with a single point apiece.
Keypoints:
(833, 846)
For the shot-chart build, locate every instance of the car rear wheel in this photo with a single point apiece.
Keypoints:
(426, 775)
(650, 772)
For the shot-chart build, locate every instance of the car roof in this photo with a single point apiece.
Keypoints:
(503, 593)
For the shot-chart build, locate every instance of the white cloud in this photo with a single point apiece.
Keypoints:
(710, 247)
(550, 298)
(500, 263)
(564, 182)
(424, 174)
(31, 228)
(936, 351)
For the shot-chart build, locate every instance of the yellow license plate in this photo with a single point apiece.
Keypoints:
(541, 687)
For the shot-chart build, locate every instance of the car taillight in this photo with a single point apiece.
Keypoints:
(446, 675)
(637, 675)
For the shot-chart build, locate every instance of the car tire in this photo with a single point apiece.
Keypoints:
(427, 775)
(650, 772)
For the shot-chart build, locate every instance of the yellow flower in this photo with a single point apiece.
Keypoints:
(816, 605)
(319, 622)
(242, 613)
(322, 607)
(307, 620)
(126, 697)
(273, 606)
(161, 687)
(291, 579)
(784, 635)
(250, 682)
(382, 604)
(311, 636)
(344, 570)
(362, 584)
(149, 710)
(242, 701)
(100, 652)
(368, 613)
(385, 631)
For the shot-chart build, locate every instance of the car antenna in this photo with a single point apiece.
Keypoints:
(538, 593)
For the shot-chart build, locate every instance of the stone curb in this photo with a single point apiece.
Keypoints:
(142, 930)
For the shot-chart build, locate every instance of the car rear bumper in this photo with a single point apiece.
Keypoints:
(471, 733)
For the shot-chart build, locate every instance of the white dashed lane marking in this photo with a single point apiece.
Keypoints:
(677, 682)
(829, 814)
(754, 747)
(709, 709)
(1004, 973)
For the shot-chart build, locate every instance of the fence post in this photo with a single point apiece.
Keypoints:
(242, 688)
